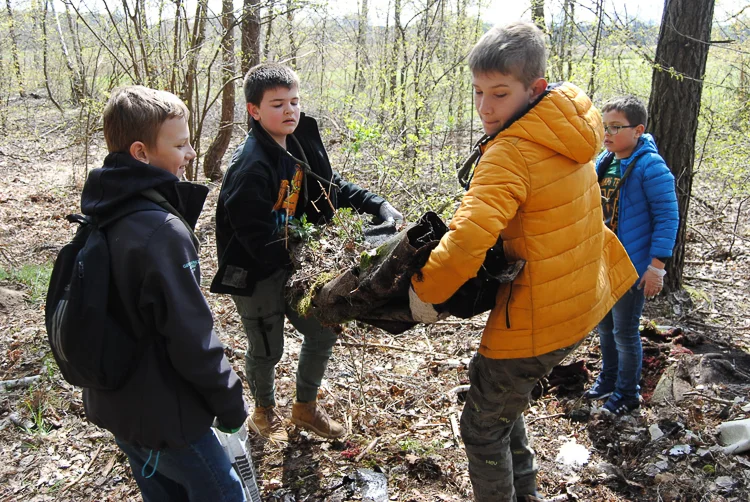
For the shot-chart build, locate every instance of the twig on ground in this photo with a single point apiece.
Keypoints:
(392, 347)
(454, 428)
(369, 447)
(18, 382)
(710, 398)
(83, 473)
(709, 279)
(544, 417)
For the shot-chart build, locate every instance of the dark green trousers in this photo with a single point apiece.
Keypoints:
(263, 320)
(501, 459)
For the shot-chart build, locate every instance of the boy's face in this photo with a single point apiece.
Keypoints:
(278, 112)
(499, 98)
(623, 142)
(172, 151)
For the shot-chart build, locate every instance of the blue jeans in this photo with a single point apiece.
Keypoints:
(263, 320)
(620, 342)
(200, 471)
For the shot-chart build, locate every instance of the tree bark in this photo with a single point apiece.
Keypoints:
(290, 33)
(189, 86)
(537, 14)
(212, 161)
(76, 81)
(674, 106)
(14, 51)
(250, 35)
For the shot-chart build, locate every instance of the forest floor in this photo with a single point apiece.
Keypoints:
(397, 394)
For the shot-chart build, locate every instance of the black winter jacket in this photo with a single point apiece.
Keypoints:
(248, 242)
(183, 379)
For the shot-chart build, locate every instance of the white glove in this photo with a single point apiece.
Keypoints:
(422, 311)
(388, 212)
(652, 281)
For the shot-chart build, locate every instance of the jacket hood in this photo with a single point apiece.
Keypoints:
(563, 120)
(123, 178)
(646, 144)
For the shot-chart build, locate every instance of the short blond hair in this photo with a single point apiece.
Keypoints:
(135, 113)
(516, 49)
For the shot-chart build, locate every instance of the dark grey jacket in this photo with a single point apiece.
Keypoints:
(183, 379)
(247, 234)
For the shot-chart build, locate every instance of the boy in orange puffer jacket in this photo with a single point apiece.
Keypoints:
(535, 186)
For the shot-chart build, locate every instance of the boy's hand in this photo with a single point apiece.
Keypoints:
(388, 212)
(652, 281)
(225, 429)
(422, 311)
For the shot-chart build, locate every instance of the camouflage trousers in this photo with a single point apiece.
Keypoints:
(502, 463)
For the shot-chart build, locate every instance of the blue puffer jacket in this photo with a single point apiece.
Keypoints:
(648, 214)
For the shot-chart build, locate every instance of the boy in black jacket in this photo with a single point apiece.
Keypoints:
(161, 418)
(280, 172)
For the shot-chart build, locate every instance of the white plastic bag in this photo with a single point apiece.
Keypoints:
(237, 448)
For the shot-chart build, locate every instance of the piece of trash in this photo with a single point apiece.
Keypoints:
(725, 482)
(573, 454)
(735, 436)
(663, 465)
(651, 470)
(655, 432)
(373, 486)
(680, 449)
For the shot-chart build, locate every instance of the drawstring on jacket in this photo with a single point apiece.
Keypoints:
(507, 306)
(156, 463)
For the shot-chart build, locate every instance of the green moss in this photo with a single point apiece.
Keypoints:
(305, 305)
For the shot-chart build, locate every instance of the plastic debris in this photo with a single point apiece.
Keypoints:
(573, 454)
(680, 449)
(735, 436)
(655, 432)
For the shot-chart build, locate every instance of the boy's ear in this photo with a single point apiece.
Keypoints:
(138, 151)
(253, 110)
(639, 130)
(537, 88)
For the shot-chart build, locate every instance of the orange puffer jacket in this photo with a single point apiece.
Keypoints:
(535, 185)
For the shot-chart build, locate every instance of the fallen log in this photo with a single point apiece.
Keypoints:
(375, 290)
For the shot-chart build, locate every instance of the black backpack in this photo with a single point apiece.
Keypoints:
(91, 342)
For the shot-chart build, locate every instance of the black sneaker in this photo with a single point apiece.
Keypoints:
(598, 391)
(620, 405)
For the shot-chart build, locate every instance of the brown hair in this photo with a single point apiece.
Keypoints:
(265, 76)
(135, 113)
(630, 106)
(515, 49)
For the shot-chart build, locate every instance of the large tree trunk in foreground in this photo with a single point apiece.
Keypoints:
(675, 101)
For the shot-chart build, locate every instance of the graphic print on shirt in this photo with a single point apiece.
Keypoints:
(608, 185)
(286, 202)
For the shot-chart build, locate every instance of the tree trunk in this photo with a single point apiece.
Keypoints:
(73, 27)
(212, 161)
(361, 48)
(250, 35)
(595, 49)
(76, 81)
(290, 33)
(45, 47)
(537, 14)
(191, 77)
(14, 51)
(680, 64)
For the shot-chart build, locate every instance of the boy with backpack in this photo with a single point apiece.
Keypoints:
(534, 186)
(640, 206)
(180, 380)
(280, 172)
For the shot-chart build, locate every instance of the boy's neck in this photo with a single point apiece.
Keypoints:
(625, 154)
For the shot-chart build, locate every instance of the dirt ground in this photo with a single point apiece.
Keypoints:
(399, 396)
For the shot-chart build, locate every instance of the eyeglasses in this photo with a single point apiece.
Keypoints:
(612, 130)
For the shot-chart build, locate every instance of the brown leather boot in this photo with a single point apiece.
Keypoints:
(314, 418)
(267, 422)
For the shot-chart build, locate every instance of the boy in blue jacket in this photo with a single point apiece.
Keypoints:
(640, 206)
